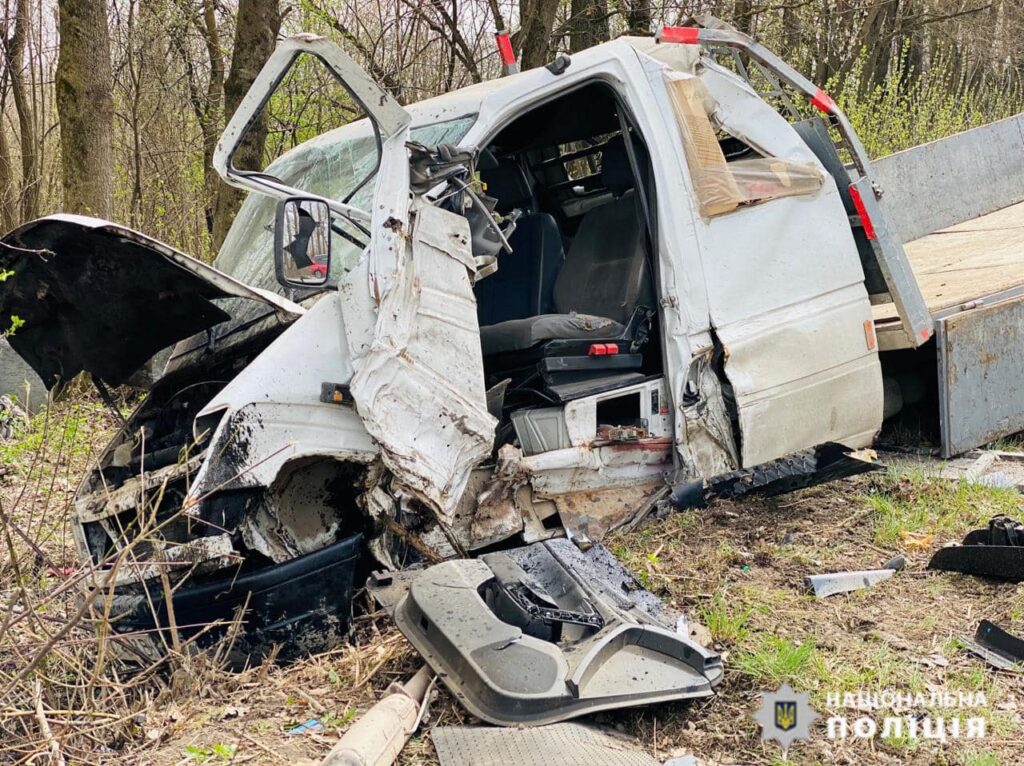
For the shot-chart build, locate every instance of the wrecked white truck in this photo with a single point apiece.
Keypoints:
(517, 312)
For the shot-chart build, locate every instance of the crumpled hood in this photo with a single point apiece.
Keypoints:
(99, 297)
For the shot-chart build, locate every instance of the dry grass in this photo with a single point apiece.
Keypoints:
(737, 567)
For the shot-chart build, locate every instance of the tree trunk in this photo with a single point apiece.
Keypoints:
(255, 37)
(210, 115)
(589, 24)
(638, 17)
(536, 20)
(85, 106)
(14, 55)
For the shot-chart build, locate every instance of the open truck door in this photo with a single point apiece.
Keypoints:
(408, 310)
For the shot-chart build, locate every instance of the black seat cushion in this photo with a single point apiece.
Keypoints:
(519, 334)
(525, 279)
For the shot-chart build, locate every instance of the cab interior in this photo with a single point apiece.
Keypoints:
(571, 310)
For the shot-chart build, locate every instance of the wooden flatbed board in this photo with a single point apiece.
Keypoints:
(970, 260)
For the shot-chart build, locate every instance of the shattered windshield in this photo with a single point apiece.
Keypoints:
(331, 166)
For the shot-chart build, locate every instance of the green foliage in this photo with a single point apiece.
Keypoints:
(64, 431)
(911, 108)
(16, 321)
(219, 753)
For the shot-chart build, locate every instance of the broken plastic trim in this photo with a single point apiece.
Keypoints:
(997, 647)
(996, 551)
(807, 468)
(513, 666)
(824, 585)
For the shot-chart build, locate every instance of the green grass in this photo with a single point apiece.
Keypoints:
(772, 661)
(725, 619)
(60, 430)
(882, 668)
(913, 502)
(1012, 443)
(982, 758)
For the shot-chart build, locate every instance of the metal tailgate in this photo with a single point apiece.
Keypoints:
(981, 375)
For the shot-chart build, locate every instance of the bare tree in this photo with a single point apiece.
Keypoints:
(18, 64)
(86, 107)
(256, 30)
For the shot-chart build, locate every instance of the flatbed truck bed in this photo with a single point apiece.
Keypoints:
(959, 265)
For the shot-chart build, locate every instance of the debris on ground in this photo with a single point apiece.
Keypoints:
(995, 551)
(378, 737)
(997, 647)
(545, 632)
(916, 541)
(824, 585)
(10, 416)
(987, 467)
(822, 464)
(312, 725)
(560, 744)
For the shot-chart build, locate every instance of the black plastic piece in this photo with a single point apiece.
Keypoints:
(303, 605)
(999, 648)
(527, 599)
(808, 468)
(562, 369)
(996, 551)
(559, 65)
(1000, 562)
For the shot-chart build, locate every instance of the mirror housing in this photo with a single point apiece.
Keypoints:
(302, 242)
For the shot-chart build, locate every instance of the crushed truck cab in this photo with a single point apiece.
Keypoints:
(518, 311)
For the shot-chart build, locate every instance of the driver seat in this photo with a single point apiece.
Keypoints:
(603, 279)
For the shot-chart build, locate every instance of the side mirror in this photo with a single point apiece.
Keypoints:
(302, 242)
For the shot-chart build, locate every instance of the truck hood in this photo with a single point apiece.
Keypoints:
(95, 296)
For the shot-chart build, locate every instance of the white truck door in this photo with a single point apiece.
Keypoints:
(785, 287)
(408, 306)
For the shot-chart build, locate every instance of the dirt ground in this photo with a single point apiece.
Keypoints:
(737, 568)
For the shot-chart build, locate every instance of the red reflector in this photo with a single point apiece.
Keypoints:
(823, 101)
(505, 52)
(681, 35)
(598, 349)
(865, 219)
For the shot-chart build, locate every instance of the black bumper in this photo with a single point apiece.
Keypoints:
(303, 605)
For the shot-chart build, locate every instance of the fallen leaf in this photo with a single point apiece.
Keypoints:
(916, 541)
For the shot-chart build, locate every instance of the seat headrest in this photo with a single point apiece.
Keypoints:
(508, 183)
(616, 173)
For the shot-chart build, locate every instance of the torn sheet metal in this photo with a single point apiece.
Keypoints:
(195, 557)
(271, 413)
(496, 515)
(824, 463)
(544, 633)
(710, 447)
(560, 744)
(135, 492)
(420, 387)
(588, 516)
(997, 647)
